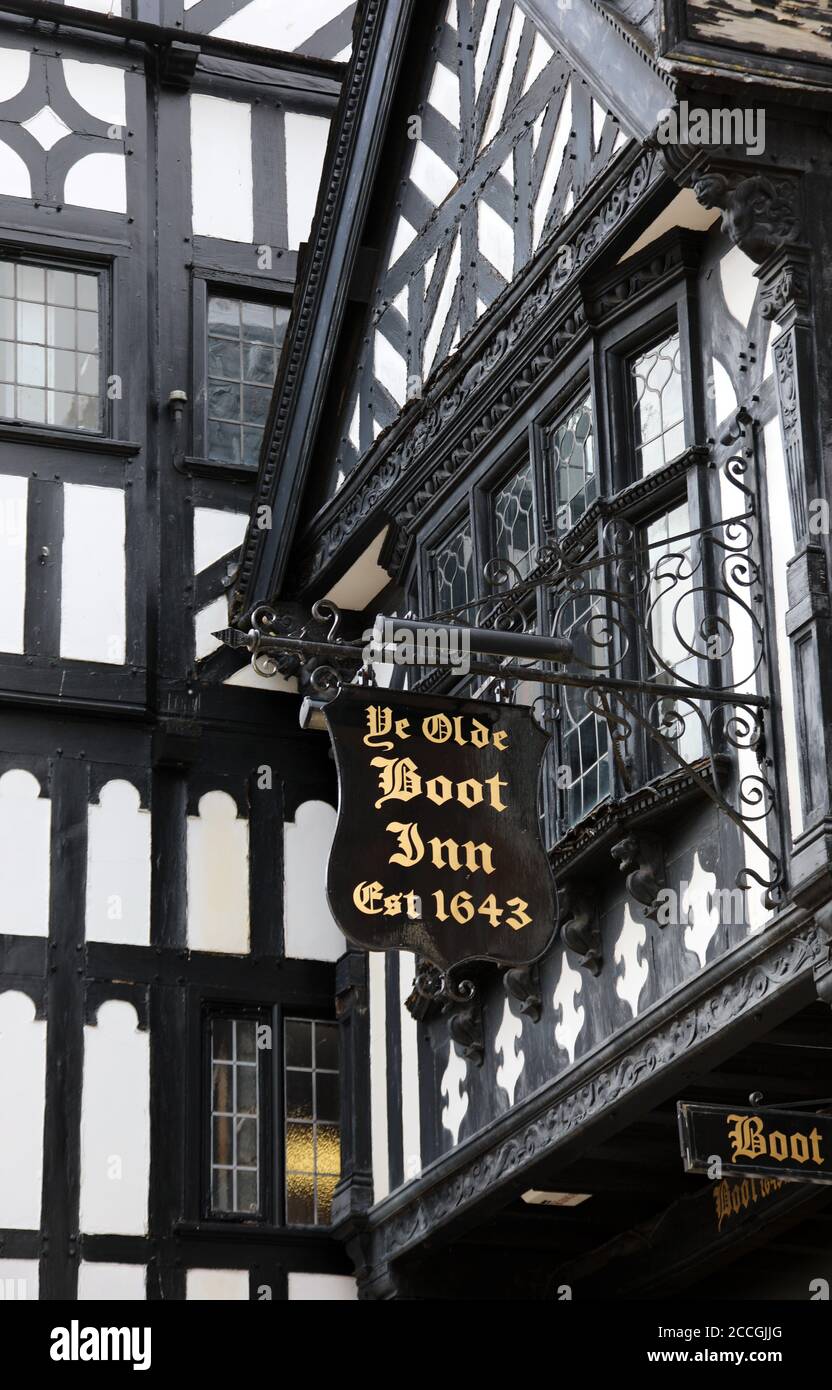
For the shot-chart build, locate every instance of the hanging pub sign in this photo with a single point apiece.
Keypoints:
(793, 1145)
(437, 848)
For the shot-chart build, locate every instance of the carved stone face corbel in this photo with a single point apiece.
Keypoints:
(640, 858)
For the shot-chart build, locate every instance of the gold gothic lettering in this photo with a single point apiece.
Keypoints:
(749, 1139)
(399, 779)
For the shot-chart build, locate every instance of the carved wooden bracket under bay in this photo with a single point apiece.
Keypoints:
(523, 984)
(640, 857)
(579, 924)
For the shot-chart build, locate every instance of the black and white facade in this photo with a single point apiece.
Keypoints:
(168, 1051)
(373, 303)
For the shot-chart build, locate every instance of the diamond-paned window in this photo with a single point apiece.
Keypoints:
(659, 412)
(514, 520)
(452, 569)
(572, 454)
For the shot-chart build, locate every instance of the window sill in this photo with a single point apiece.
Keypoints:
(257, 1231)
(214, 468)
(10, 432)
(586, 843)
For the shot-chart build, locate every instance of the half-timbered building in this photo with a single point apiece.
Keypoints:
(507, 314)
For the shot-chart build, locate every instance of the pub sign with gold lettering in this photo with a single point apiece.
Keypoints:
(793, 1145)
(437, 848)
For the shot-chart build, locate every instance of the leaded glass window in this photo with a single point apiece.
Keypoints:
(50, 346)
(583, 740)
(235, 1116)
(514, 520)
(313, 1137)
(452, 568)
(572, 453)
(244, 340)
(659, 412)
(674, 628)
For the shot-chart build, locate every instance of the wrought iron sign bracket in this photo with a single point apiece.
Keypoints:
(663, 639)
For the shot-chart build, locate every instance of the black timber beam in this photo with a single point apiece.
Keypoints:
(326, 274)
(163, 37)
(607, 54)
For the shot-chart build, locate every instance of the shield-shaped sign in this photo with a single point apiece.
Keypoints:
(437, 848)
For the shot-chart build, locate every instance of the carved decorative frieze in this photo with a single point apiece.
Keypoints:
(539, 1126)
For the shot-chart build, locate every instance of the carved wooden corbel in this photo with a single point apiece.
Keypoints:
(640, 858)
(761, 212)
(462, 1006)
(579, 925)
(523, 984)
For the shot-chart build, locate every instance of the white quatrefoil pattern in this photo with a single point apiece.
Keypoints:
(62, 130)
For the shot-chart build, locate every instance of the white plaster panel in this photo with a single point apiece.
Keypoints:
(309, 931)
(218, 912)
(217, 1285)
(552, 167)
(390, 368)
(539, 57)
(699, 912)
(510, 1055)
(411, 1126)
(115, 1123)
(378, 1074)
(19, 1281)
(322, 1288)
(496, 239)
(444, 94)
(13, 502)
(98, 181)
(15, 181)
(281, 24)
(22, 1077)
(99, 88)
(725, 397)
(497, 113)
(572, 1013)
(306, 138)
(443, 305)
(25, 818)
(739, 284)
(249, 679)
(222, 197)
(93, 574)
(782, 550)
(216, 533)
(208, 620)
(629, 955)
(431, 174)
(118, 867)
(14, 71)
(453, 1088)
(111, 1283)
